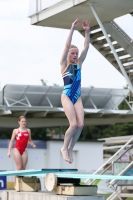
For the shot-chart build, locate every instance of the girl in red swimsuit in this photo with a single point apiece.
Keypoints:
(23, 137)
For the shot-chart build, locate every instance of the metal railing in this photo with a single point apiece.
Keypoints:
(117, 27)
(115, 157)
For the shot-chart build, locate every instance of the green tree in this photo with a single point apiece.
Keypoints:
(54, 84)
(44, 83)
(124, 105)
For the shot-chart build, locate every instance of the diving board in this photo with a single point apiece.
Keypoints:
(90, 176)
(63, 173)
(61, 181)
(33, 172)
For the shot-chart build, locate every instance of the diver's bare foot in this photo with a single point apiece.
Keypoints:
(65, 155)
(70, 155)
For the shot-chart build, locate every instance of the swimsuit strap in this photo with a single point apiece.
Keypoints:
(22, 131)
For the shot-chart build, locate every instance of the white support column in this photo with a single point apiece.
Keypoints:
(112, 47)
(37, 15)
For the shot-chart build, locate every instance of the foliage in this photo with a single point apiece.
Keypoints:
(44, 83)
(39, 134)
(5, 134)
(124, 105)
(88, 133)
(96, 132)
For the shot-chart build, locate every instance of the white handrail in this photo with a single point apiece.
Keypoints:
(110, 159)
(114, 24)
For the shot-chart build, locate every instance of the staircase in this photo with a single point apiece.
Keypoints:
(121, 190)
(123, 193)
(122, 43)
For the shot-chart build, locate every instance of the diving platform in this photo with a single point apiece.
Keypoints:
(13, 195)
(60, 14)
(105, 35)
(62, 174)
(63, 182)
(55, 179)
(42, 106)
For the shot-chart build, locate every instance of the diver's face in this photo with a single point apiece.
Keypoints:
(22, 123)
(73, 55)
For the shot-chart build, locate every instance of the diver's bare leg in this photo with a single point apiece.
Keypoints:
(80, 122)
(70, 113)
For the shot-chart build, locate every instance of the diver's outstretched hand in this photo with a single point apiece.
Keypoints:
(86, 25)
(75, 23)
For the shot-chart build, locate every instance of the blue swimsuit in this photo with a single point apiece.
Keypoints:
(72, 82)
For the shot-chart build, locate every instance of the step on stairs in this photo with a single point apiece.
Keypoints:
(122, 193)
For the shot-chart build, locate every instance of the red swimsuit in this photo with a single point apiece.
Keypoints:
(21, 141)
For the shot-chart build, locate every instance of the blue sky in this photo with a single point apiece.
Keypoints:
(30, 53)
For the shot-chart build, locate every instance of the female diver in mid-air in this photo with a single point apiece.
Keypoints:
(71, 65)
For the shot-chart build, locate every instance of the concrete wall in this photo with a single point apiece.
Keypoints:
(13, 195)
(88, 156)
(36, 159)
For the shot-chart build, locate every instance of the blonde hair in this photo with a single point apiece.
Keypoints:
(21, 117)
(73, 46)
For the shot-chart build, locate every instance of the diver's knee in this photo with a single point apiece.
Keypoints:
(74, 126)
(80, 126)
(19, 167)
(23, 168)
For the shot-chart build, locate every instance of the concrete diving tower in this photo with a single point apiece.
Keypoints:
(106, 36)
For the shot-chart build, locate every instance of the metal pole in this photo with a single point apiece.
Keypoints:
(36, 6)
(37, 10)
(112, 47)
